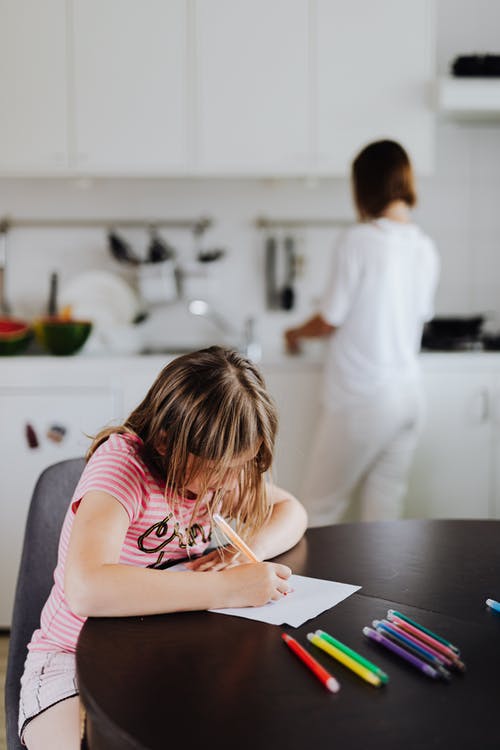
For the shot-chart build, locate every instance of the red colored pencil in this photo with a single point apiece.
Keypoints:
(321, 673)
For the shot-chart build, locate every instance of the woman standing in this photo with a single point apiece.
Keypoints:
(381, 293)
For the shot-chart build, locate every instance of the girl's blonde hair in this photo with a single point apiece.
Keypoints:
(206, 410)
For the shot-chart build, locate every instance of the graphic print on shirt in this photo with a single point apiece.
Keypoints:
(186, 538)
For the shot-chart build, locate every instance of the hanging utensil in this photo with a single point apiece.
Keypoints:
(4, 305)
(270, 272)
(52, 306)
(208, 256)
(159, 249)
(121, 250)
(288, 292)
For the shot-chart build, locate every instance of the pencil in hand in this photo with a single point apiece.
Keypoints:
(235, 538)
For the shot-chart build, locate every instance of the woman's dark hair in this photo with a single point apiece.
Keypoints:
(382, 173)
(206, 410)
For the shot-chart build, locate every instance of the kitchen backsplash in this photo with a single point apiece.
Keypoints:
(458, 207)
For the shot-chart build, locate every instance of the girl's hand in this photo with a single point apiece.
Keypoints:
(218, 559)
(255, 584)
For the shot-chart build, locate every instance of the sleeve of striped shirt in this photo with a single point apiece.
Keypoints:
(118, 473)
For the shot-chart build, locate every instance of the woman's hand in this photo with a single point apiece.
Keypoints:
(292, 341)
(315, 327)
(218, 559)
(255, 584)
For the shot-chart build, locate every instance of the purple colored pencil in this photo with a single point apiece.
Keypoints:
(374, 635)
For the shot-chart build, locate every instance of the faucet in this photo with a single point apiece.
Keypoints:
(247, 343)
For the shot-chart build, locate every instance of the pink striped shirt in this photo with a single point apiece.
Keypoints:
(155, 536)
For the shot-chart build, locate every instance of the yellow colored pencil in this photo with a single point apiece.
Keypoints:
(344, 659)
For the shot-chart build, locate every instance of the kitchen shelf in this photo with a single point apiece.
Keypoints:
(469, 98)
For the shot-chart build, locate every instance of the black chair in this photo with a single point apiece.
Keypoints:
(48, 507)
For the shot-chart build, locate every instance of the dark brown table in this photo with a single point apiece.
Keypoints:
(203, 679)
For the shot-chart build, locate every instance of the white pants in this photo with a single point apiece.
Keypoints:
(363, 450)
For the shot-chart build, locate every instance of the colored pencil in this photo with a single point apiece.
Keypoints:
(492, 604)
(403, 635)
(374, 635)
(425, 630)
(436, 645)
(235, 538)
(320, 672)
(344, 659)
(417, 651)
(354, 655)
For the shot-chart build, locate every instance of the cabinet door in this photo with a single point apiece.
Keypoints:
(33, 117)
(81, 412)
(296, 396)
(130, 66)
(252, 74)
(451, 475)
(495, 418)
(374, 68)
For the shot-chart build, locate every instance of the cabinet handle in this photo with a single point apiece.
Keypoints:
(31, 436)
(481, 406)
(495, 408)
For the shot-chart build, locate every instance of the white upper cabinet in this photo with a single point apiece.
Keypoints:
(374, 70)
(33, 109)
(212, 87)
(252, 85)
(130, 84)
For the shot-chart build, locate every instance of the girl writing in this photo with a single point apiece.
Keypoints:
(199, 443)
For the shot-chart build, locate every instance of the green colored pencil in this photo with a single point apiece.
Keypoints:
(357, 657)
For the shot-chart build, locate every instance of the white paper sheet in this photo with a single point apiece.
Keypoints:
(309, 598)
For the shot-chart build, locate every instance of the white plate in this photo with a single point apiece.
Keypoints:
(102, 297)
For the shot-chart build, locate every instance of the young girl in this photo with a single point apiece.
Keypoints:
(200, 442)
(380, 295)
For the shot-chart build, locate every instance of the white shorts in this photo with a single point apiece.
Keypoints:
(49, 677)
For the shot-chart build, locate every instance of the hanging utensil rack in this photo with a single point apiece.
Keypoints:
(197, 226)
(264, 222)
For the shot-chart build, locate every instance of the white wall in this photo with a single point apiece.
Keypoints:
(458, 207)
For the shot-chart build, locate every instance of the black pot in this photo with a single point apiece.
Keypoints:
(459, 327)
(491, 342)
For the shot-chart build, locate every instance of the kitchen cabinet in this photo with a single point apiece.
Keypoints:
(130, 86)
(68, 415)
(295, 392)
(455, 474)
(34, 86)
(299, 87)
(212, 87)
(252, 86)
(374, 68)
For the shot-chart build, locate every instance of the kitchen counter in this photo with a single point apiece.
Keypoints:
(117, 363)
(109, 369)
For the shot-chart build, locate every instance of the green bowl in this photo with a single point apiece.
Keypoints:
(15, 336)
(62, 337)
